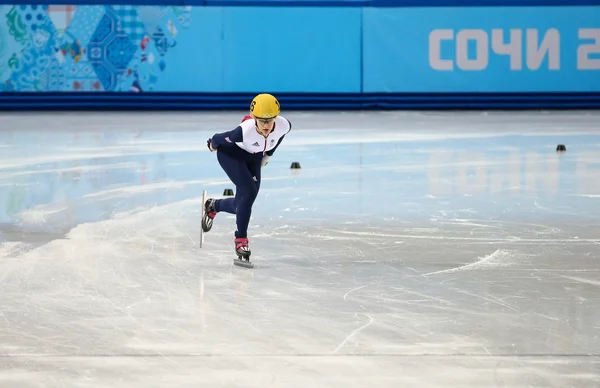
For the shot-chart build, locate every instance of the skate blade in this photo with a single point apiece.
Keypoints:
(207, 224)
(243, 263)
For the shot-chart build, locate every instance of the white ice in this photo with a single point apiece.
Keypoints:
(410, 250)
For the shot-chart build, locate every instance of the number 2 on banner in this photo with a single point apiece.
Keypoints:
(584, 62)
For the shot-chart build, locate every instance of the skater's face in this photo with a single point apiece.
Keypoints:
(265, 126)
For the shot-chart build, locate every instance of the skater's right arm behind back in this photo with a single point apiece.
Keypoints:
(228, 138)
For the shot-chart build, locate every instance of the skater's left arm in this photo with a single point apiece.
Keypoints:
(226, 138)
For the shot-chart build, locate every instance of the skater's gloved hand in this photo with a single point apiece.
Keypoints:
(209, 145)
(265, 160)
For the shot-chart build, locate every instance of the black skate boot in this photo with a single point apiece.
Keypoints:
(243, 252)
(209, 214)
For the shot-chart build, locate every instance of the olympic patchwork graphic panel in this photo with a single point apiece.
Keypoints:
(50, 48)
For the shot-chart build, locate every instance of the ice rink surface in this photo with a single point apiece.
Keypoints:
(410, 250)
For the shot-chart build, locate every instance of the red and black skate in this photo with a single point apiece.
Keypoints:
(209, 214)
(243, 253)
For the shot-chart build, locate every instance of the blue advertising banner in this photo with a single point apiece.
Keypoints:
(465, 49)
(122, 48)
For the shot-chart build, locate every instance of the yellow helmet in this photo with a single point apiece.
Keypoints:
(264, 106)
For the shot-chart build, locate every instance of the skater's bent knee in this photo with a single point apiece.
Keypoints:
(248, 193)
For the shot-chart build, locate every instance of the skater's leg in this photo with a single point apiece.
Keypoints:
(245, 210)
(232, 168)
(246, 189)
(255, 169)
(226, 205)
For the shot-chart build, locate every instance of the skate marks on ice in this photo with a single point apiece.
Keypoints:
(498, 259)
(131, 302)
(284, 371)
(582, 280)
(105, 203)
(501, 244)
(516, 282)
(120, 300)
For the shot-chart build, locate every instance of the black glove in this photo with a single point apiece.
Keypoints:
(208, 144)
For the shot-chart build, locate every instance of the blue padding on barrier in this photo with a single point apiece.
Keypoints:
(292, 101)
(319, 3)
(104, 2)
(479, 3)
(284, 3)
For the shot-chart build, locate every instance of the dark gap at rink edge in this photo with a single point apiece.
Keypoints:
(202, 101)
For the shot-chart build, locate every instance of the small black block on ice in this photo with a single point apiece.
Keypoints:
(228, 193)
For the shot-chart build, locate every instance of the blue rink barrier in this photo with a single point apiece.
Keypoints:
(350, 55)
(297, 101)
